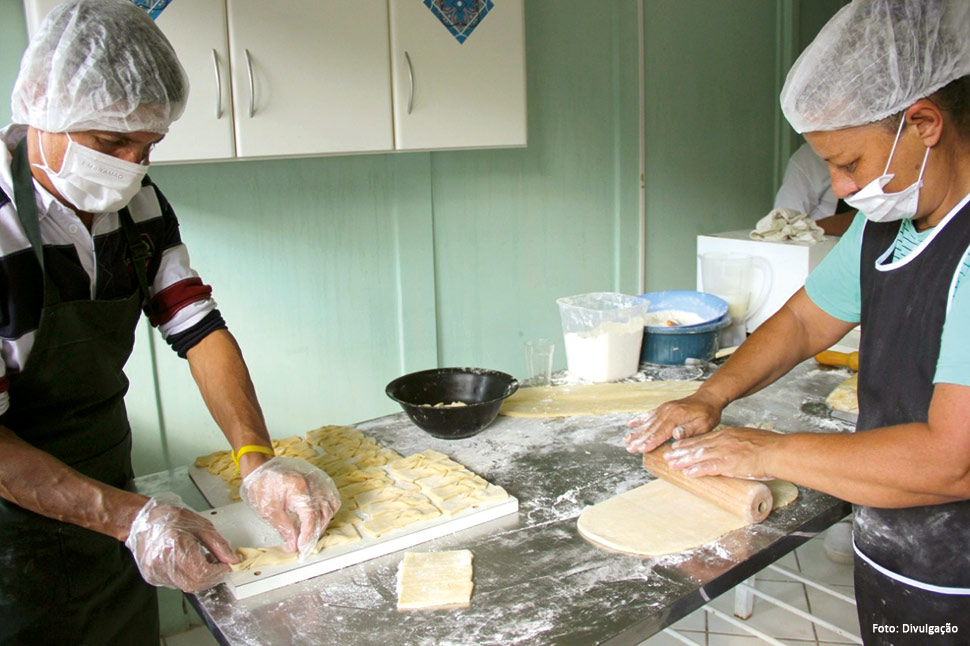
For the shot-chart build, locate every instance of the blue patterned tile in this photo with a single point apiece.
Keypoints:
(153, 7)
(461, 17)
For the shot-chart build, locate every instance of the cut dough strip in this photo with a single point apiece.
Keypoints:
(380, 500)
(434, 580)
(845, 396)
(595, 399)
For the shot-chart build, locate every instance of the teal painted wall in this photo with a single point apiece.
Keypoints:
(516, 229)
(710, 111)
(338, 274)
(13, 40)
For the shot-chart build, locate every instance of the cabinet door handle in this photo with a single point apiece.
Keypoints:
(215, 64)
(407, 57)
(252, 85)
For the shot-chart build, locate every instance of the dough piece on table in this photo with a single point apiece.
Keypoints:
(388, 522)
(337, 535)
(659, 518)
(353, 489)
(203, 461)
(253, 557)
(435, 456)
(489, 494)
(595, 399)
(436, 480)
(332, 435)
(433, 580)
(393, 507)
(378, 501)
(447, 491)
(218, 462)
(456, 504)
(783, 493)
(344, 516)
(845, 397)
(354, 477)
(262, 556)
(378, 495)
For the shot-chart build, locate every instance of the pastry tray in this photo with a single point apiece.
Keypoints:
(241, 526)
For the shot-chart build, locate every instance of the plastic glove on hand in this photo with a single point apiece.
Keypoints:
(176, 547)
(295, 497)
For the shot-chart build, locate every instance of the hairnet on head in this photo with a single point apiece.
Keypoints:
(875, 58)
(99, 65)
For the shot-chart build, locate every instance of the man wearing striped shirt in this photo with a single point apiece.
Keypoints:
(88, 243)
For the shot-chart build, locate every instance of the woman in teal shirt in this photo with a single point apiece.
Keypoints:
(883, 96)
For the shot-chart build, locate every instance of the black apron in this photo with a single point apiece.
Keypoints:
(60, 583)
(911, 563)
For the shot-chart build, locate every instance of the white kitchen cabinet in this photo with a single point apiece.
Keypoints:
(317, 77)
(309, 76)
(458, 95)
(197, 31)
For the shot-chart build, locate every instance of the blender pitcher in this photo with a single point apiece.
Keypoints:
(729, 275)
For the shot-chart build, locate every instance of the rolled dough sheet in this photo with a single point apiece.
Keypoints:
(595, 399)
(433, 580)
(659, 518)
(845, 396)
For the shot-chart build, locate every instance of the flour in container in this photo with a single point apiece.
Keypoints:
(608, 352)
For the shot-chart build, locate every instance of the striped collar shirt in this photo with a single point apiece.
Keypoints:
(92, 265)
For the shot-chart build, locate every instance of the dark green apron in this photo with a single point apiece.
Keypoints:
(60, 583)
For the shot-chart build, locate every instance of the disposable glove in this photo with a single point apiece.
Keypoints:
(295, 497)
(176, 547)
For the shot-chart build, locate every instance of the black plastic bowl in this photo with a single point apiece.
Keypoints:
(482, 390)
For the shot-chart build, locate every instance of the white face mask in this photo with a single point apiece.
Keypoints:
(92, 181)
(878, 206)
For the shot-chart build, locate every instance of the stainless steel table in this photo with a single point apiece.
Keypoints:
(536, 580)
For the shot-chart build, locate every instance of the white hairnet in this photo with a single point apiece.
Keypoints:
(876, 58)
(99, 65)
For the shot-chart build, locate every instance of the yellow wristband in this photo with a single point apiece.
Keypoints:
(251, 448)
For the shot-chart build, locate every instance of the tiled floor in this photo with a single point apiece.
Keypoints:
(701, 628)
(810, 561)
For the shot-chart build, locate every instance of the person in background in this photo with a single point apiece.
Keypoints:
(883, 96)
(807, 188)
(87, 243)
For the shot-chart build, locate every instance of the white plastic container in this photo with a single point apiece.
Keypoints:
(603, 332)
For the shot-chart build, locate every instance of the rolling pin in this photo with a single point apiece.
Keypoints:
(747, 499)
(848, 360)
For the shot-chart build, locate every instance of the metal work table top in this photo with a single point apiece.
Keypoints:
(536, 580)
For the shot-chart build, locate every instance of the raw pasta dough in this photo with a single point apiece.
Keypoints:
(595, 399)
(432, 580)
(254, 557)
(220, 463)
(381, 492)
(845, 396)
(659, 518)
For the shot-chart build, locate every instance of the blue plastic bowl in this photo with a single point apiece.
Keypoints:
(709, 307)
(673, 345)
